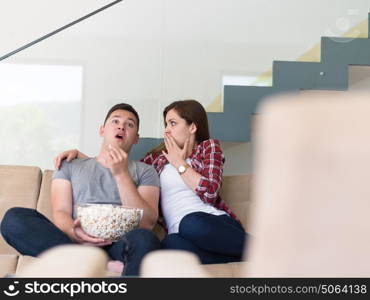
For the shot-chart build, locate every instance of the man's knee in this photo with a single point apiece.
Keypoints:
(171, 241)
(143, 237)
(13, 220)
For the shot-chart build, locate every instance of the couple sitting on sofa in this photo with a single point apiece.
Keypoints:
(189, 165)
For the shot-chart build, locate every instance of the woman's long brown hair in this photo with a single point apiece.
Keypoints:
(193, 112)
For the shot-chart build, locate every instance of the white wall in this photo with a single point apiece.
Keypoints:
(150, 53)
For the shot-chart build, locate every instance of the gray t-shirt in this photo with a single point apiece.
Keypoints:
(93, 183)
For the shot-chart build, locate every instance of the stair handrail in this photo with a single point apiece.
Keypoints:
(58, 30)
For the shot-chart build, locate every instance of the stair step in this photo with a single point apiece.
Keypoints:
(234, 124)
(310, 75)
(350, 51)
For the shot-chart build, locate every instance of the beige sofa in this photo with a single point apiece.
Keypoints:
(27, 186)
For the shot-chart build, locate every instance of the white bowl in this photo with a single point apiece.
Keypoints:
(108, 221)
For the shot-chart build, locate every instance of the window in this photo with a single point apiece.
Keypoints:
(246, 80)
(40, 108)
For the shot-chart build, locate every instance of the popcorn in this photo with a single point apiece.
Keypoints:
(108, 221)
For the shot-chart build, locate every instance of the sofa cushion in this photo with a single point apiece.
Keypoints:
(19, 186)
(236, 269)
(8, 264)
(44, 204)
(23, 262)
(235, 191)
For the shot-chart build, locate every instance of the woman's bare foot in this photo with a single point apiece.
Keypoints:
(115, 266)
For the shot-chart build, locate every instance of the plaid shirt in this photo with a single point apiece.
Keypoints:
(207, 159)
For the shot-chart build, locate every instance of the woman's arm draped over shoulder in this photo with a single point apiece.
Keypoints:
(69, 155)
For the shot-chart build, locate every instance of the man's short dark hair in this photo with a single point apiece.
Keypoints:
(123, 106)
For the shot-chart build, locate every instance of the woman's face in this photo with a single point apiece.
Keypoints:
(178, 128)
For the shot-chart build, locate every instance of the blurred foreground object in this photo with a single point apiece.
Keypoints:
(68, 261)
(172, 263)
(312, 188)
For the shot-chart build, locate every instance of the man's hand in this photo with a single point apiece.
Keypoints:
(116, 160)
(81, 237)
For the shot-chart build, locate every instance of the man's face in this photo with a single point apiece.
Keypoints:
(120, 130)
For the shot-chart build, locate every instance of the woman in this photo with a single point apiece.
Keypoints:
(190, 166)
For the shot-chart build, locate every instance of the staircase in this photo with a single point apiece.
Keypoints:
(241, 102)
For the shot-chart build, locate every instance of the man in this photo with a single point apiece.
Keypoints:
(109, 177)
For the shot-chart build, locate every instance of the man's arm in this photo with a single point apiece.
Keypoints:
(145, 197)
(61, 204)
